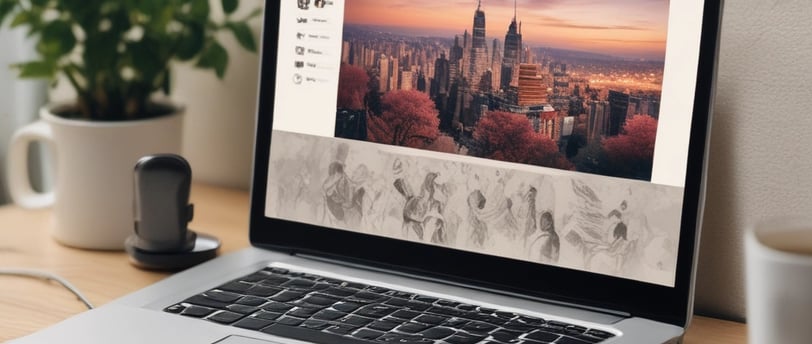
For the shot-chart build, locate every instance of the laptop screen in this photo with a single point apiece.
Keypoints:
(552, 133)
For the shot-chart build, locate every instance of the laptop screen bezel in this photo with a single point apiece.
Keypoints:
(661, 303)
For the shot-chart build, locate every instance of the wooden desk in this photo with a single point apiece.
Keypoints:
(27, 305)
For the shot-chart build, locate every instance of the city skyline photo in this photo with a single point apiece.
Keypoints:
(630, 29)
(568, 85)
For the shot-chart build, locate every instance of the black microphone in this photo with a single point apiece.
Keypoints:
(161, 239)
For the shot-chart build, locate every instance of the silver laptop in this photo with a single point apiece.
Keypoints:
(458, 172)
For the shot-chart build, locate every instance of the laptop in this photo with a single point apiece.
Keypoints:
(458, 172)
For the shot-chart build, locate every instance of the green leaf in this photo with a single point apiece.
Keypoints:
(229, 6)
(37, 69)
(200, 10)
(214, 57)
(24, 17)
(5, 9)
(191, 41)
(56, 40)
(243, 34)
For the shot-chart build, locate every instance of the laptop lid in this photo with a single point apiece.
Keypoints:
(547, 149)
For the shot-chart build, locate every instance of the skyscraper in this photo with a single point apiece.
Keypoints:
(512, 52)
(479, 59)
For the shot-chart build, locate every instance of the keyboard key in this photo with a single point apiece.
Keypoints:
(430, 319)
(405, 314)
(176, 308)
(321, 299)
(252, 323)
(354, 320)
(289, 320)
(201, 300)
(385, 324)
(375, 311)
(222, 296)
(225, 317)
(365, 295)
(570, 340)
(328, 314)
(287, 295)
(463, 338)
(367, 334)
(341, 328)
(302, 312)
(242, 309)
(316, 324)
(278, 307)
(438, 332)
(267, 315)
(346, 306)
(479, 327)
(506, 336)
(542, 336)
(235, 286)
(412, 327)
(263, 291)
(250, 300)
(298, 284)
(197, 311)
(339, 291)
(403, 338)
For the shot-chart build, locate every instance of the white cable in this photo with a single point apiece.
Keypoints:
(44, 275)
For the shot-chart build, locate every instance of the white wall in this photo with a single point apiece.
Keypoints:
(220, 115)
(760, 159)
(19, 99)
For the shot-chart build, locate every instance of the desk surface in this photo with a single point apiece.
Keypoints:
(27, 305)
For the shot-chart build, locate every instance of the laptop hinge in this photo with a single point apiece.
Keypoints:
(374, 268)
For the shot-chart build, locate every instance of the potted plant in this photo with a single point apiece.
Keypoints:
(117, 56)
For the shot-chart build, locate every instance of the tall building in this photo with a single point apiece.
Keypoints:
(598, 119)
(532, 90)
(383, 67)
(618, 110)
(442, 77)
(406, 82)
(512, 52)
(479, 59)
(394, 74)
(496, 66)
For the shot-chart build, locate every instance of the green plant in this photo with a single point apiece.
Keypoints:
(117, 53)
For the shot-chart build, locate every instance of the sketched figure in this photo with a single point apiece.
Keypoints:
(544, 244)
(423, 212)
(621, 247)
(343, 202)
(479, 229)
(528, 212)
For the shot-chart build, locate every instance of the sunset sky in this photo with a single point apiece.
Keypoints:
(627, 28)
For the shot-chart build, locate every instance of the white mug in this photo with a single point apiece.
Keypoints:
(778, 254)
(92, 197)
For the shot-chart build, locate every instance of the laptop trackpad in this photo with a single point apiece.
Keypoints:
(243, 340)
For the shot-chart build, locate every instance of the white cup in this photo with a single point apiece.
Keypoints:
(92, 197)
(778, 253)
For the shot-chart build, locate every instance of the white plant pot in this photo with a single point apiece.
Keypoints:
(92, 197)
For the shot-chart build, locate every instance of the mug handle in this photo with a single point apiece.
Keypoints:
(19, 182)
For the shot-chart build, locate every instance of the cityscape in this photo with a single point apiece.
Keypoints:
(487, 92)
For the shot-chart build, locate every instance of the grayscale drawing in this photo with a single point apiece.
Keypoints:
(578, 221)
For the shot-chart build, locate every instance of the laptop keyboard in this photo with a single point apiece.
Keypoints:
(326, 310)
